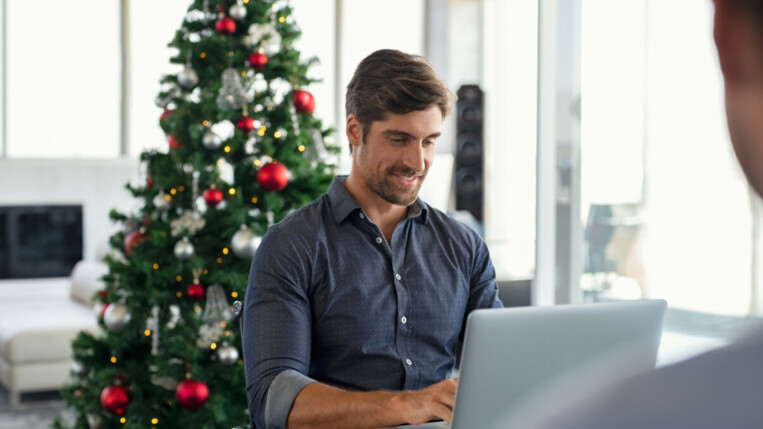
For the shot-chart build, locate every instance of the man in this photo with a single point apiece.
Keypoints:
(722, 388)
(357, 302)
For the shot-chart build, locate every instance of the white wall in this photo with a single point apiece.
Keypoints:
(96, 184)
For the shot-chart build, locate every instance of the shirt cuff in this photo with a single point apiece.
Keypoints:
(281, 394)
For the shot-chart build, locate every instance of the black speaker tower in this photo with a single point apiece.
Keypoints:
(470, 151)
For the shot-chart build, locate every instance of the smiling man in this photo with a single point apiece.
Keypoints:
(356, 303)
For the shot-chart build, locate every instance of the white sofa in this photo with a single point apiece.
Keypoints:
(39, 318)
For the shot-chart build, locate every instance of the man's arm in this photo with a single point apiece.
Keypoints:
(322, 406)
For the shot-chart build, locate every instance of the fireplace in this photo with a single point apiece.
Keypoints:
(39, 241)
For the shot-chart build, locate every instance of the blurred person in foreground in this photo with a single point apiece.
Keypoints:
(724, 387)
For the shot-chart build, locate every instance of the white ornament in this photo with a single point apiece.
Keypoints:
(161, 202)
(189, 222)
(78, 370)
(188, 77)
(211, 140)
(237, 11)
(232, 94)
(245, 243)
(228, 355)
(184, 249)
(116, 317)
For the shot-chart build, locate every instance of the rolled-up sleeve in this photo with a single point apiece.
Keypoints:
(277, 331)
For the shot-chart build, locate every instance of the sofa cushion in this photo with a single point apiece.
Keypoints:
(86, 280)
(42, 330)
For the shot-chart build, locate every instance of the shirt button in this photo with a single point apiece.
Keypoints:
(408, 361)
(362, 216)
(378, 240)
(397, 276)
(403, 319)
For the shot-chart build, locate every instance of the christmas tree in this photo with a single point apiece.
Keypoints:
(244, 150)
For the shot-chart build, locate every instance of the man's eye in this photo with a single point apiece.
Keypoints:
(429, 142)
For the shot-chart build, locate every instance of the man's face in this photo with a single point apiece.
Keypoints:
(395, 157)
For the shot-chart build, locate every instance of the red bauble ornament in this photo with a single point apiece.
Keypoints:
(132, 240)
(114, 399)
(195, 292)
(273, 176)
(258, 60)
(304, 101)
(245, 124)
(225, 26)
(149, 182)
(166, 113)
(213, 196)
(174, 144)
(192, 394)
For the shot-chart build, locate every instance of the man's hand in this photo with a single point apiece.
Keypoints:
(434, 402)
(321, 406)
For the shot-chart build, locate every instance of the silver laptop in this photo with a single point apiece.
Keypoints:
(516, 362)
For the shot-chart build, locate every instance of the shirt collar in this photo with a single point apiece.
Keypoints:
(343, 204)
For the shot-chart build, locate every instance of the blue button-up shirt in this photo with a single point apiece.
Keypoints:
(330, 300)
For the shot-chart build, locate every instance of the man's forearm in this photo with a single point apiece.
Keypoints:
(321, 406)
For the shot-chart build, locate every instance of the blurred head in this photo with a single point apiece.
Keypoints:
(739, 37)
(390, 81)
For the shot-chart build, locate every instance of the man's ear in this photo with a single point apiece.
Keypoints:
(726, 32)
(354, 130)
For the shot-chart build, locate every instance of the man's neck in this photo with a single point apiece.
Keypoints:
(381, 212)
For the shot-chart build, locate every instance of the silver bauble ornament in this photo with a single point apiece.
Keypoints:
(228, 355)
(78, 370)
(116, 317)
(237, 11)
(245, 243)
(211, 140)
(184, 249)
(161, 202)
(94, 421)
(188, 77)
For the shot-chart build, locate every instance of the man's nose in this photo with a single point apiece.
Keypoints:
(414, 157)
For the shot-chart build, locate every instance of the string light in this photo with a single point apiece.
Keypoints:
(226, 148)
(213, 346)
(113, 359)
(301, 148)
(225, 250)
(173, 191)
(243, 73)
(179, 278)
(282, 19)
(154, 421)
(234, 294)
(232, 191)
(219, 260)
(230, 53)
(246, 1)
(179, 294)
(168, 197)
(254, 200)
(205, 123)
(122, 420)
(227, 333)
(203, 55)
(181, 188)
(156, 266)
(277, 134)
(205, 271)
(147, 333)
(223, 323)
(257, 162)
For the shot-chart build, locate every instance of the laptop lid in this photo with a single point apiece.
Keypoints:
(516, 360)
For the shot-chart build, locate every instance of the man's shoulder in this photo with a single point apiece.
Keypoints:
(449, 225)
(304, 219)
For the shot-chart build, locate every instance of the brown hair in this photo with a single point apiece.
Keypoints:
(390, 81)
